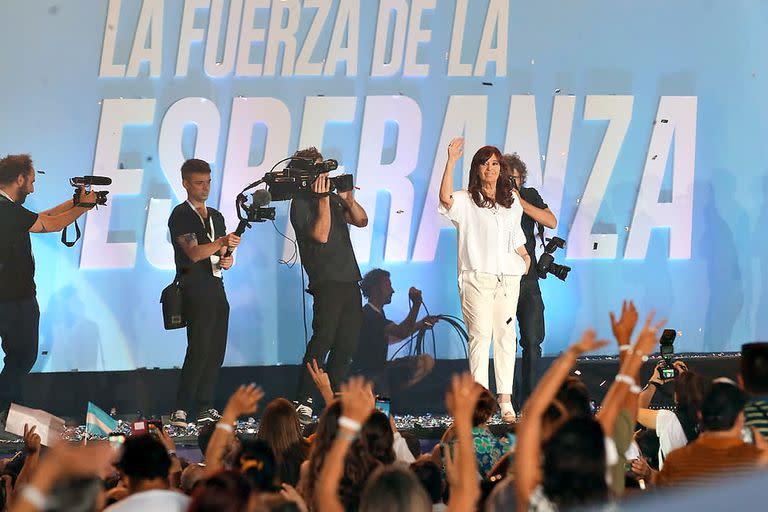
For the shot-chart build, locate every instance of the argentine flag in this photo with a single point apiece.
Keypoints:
(98, 422)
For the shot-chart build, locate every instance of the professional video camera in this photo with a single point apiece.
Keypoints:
(547, 265)
(667, 369)
(299, 175)
(86, 182)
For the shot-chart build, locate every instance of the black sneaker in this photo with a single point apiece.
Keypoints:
(179, 419)
(208, 416)
(304, 411)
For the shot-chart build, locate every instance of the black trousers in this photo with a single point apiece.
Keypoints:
(530, 317)
(19, 326)
(207, 311)
(337, 314)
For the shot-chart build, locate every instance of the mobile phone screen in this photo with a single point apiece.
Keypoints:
(382, 404)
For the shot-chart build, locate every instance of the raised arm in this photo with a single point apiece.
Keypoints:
(243, 401)
(462, 469)
(455, 150)
(404, 329)
(62, 216)
(357, 404)
(543, 216)
(528, 447)
(627, 376)
(355, 213)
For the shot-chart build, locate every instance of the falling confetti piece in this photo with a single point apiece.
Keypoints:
(578, 200)
(543, 157)
(557, 91)
(679, 333)
(533, 61)
(577, 372)
(626, 228)
(665, 121)
(602, 384)
(654, 157)
(488, 83)
(400, 211)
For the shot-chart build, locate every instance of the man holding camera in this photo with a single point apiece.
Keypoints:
(200, 246)
(19, 311)
(320, 221)
(530, 306)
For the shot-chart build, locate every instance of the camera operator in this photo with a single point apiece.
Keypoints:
(200, 242)
(320, 221)
(530, 306)
(19, 311)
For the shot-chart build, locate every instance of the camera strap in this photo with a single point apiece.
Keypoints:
(64, 235)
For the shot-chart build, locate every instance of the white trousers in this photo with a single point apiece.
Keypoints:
(489, 306)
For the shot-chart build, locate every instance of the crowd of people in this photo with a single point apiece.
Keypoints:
(559, 455)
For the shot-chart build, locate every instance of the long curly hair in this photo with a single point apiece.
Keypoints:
(371, 450)
(503, 195)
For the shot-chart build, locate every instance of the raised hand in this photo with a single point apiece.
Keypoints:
(245, 400)
(648, 337)
(588, 343)
(357, 401)
(622, 329)
(415, 295)
(321, 380)
(456, 148)
(462, 397)
(31, 439)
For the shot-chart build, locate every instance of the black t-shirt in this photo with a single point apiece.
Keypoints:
(333, 260)
(530, 195)
(17, 266)
(372, 347)
(184, 220)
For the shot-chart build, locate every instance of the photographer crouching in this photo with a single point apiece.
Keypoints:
(320, 220)
(19, 311)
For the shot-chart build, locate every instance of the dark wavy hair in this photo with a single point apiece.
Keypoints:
(372, 449)
(371, 280)
(486, 406)
(690, 389)
(503, 196)
(13, 166)
(574, 464)
(510, 162)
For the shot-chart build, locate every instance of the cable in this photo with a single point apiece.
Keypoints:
(291, 261)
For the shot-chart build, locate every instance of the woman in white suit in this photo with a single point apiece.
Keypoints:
(492, 259)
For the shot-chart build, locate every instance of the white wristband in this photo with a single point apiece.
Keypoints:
(635, 389)
(626, 379)
(624, 348)
(225, 426)
(350, 424)
(33, 495)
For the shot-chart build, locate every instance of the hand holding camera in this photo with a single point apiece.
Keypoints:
(84, 196)
(322, 185)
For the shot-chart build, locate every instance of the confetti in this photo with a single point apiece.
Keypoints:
(557, 91)
(400, 211)
(488, 83)
(654, 157)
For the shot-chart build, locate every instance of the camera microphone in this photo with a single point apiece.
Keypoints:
(262, 197)
(91, 180)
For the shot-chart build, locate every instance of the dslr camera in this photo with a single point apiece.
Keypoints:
(547, 265)
(667, 369)
(299, 175)
(86, 182)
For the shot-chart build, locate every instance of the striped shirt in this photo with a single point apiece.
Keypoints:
(756, 414)
(708, 458)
